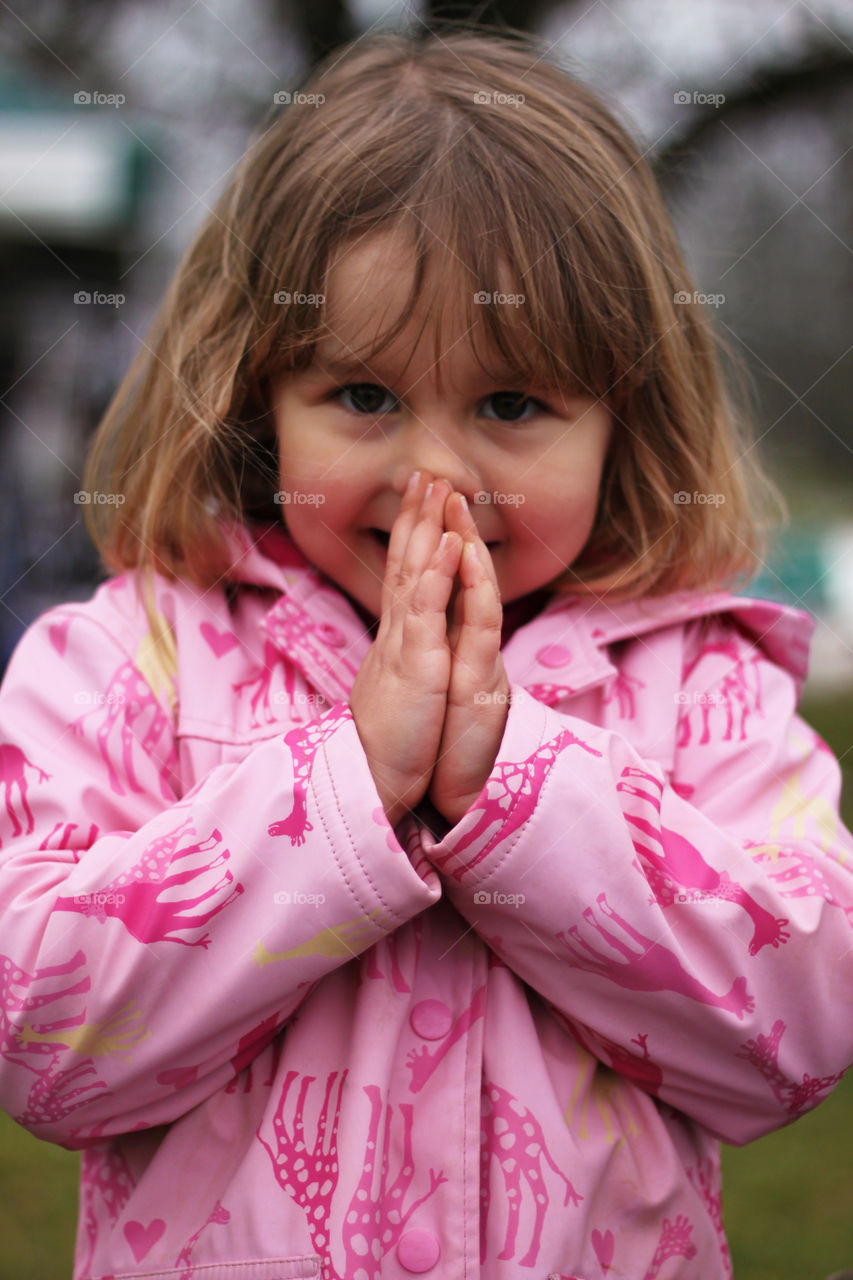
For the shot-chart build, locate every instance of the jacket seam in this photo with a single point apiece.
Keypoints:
(357, 897)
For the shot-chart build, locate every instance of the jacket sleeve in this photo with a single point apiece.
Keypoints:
(694, 932)
(153, 943)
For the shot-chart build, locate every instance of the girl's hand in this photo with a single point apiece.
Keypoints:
(399, 697)
(478, 692)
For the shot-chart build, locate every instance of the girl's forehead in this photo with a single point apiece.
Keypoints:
(369, 290)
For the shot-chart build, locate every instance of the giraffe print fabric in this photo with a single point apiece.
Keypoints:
(291, 1041)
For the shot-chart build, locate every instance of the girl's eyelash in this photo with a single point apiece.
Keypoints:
(520, 395)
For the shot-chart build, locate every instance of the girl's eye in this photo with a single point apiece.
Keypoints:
(368, 398)
(365, 397)
(511, 403)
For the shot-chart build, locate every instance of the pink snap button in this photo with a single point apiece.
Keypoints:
(331, 635)
(554, 655)
(418, 1251)
(431, 1019)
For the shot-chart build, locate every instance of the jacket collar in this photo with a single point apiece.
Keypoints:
(562, 650)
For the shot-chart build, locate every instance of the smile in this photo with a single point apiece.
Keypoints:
(383, 537)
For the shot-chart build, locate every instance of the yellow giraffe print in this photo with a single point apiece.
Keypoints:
(797, 807)
(608, 1096)
(124, 1030)
(343, 940)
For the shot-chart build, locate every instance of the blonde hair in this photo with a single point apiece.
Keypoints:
(486, 153)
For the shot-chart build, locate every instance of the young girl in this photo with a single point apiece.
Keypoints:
(413, 861)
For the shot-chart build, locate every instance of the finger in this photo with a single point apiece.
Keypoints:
(477, 645)
(424, 536)
(401, 529)
(458, 515)
(424, 624)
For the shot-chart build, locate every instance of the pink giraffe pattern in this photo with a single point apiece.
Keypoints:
(54, 1094)
(390, 946)
(249, 1047)
(621, 691)
(549, 693)
(310, 1177)
(647, 966)
(375, 1218)
(61, 834)
(105, 1180)
(13, 773)
(134, 895)
(15, 1044)
(304, 742)
(675, 868)
(674, 1242)
(705, 1177)
(739, 694)
(639, 1068)
(797, 1098)
(291, 628)
(797, 874)
(128, 706)
(218, 1216)
(513, 1136)
(424, 1061)
(259, 686)
(508, 800)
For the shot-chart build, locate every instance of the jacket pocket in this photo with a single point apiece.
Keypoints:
(306, 1267)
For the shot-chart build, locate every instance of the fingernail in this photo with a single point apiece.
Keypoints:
(428, 490)
(413, 481)
(465, 503)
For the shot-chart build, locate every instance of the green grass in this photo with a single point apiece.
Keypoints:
(38, 1206)
(787, 1199)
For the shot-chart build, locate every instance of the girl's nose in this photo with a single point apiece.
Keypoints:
(439, 450)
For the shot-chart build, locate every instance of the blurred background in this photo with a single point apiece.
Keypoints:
(120, 121)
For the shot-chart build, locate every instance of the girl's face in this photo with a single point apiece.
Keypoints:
(349, 437)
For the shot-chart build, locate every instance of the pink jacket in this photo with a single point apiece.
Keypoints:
(293, 1042)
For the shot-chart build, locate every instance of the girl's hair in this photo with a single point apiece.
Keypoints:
(489, 157)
